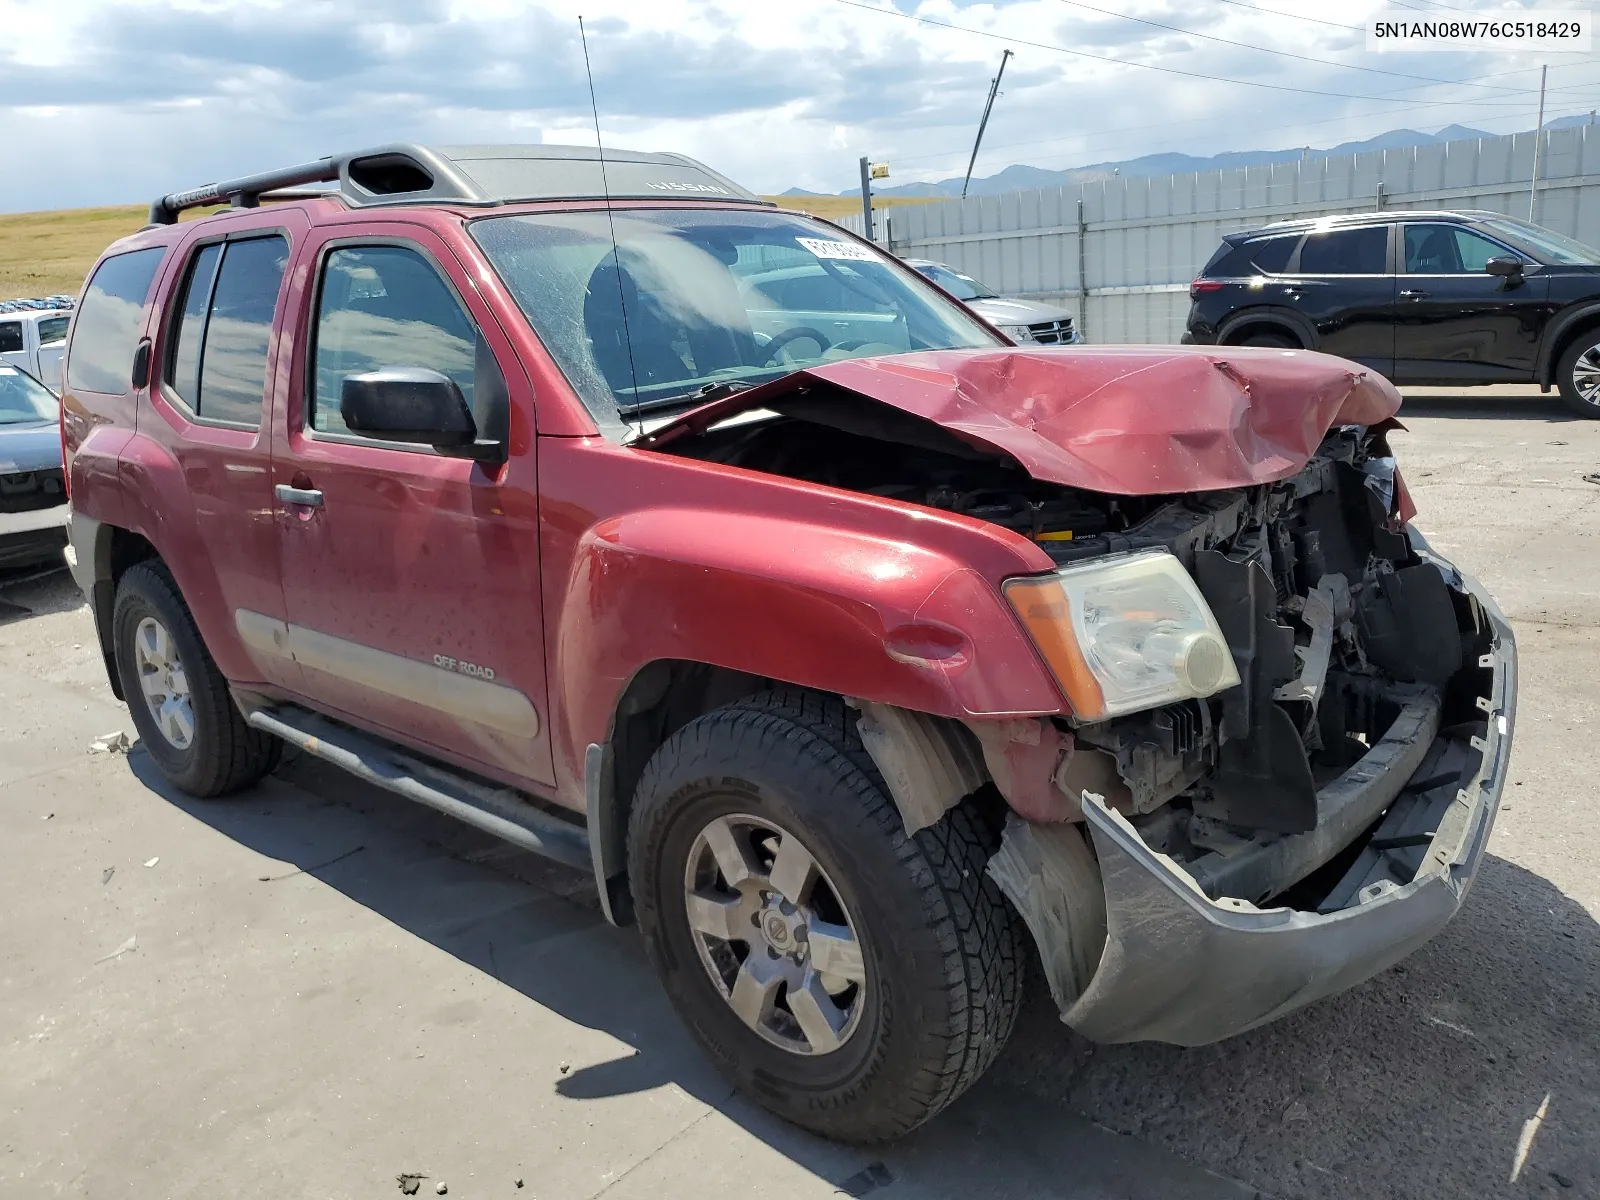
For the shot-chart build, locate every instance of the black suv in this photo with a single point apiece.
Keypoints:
(1423, 297)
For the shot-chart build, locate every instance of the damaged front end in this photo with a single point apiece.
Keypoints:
(1291, 719)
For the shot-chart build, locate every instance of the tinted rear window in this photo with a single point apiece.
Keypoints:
(109, 317)
(10, 336)
(1362, 251)
(1269, 254)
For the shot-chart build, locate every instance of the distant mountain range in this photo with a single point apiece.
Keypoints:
(1020, 176)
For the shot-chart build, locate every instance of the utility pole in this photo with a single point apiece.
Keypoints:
(866, 198)
(1538, 137)
(994, 89)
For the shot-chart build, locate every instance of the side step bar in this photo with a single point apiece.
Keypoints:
(499, 811)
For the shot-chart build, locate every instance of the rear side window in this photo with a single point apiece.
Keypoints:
(1272, 254)
(10, 336)
(386, 306)
(109, 317)
(1363, 251)
(1269, 254)
(53, 330)
(218, 366)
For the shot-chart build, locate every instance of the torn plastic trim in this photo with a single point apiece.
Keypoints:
(1179, 967)
(929, 763)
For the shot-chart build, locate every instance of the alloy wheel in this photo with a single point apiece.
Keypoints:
(163, 682)
(1586, 375)
(773, 933)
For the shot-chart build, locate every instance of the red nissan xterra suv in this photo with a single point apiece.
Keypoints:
(865, 658)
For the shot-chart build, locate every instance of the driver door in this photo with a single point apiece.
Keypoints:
(411, 577)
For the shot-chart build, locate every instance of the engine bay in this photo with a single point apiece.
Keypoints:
(1339, 632)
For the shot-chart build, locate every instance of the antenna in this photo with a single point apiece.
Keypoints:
(611, 221)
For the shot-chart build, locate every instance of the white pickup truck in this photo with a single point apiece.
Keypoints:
(33, 338)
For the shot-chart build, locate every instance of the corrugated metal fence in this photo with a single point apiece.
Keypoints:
(1121, 252)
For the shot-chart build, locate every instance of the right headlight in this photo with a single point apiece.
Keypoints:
(1125, 633)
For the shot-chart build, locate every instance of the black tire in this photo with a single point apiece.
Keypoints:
(944, 956)
(224, 755)
(1566, 370)
(1279, 340)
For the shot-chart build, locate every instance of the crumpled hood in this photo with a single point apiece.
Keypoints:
(1125, 420)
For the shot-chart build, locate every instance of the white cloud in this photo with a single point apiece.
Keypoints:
(107, 101)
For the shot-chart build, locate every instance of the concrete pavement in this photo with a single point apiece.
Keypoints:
(317, 987)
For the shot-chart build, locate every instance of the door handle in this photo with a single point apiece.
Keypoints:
(309, 497)
(1408, 294)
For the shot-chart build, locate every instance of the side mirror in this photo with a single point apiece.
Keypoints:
(408, 404)
(1509, 269)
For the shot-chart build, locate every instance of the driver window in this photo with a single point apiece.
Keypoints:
(385, 306)
(1448, 250)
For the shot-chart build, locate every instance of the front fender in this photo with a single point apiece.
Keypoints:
(855, 613)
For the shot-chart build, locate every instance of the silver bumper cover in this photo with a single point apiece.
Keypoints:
(1180, 967)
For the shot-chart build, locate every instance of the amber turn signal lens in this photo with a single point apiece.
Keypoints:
(1044, 608)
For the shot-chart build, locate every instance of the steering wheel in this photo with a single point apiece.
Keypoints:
(793, 335)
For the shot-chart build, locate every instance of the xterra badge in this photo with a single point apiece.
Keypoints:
(462, 668)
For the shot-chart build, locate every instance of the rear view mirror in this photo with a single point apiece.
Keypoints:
(408, 404)
(1506, 268)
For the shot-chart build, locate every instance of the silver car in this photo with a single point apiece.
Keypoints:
(1020, 320)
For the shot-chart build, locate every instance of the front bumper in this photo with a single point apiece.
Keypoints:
(1180, 967)
(33, 536)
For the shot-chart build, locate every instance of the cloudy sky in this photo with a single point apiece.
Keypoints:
(115, 101)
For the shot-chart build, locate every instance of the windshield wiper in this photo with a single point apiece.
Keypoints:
(701, 395)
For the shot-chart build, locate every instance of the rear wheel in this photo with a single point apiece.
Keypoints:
(1578, 375)
(850, 978)
(179, 701)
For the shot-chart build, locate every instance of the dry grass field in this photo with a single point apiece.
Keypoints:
(49, 253)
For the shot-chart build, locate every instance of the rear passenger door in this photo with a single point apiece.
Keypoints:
(1344, 283)
(212, 392)
(412, 577)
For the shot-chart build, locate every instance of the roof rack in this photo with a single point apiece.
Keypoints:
(481, 176)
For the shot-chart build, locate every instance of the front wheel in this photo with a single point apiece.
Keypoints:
(850, 978)
(1578, 375)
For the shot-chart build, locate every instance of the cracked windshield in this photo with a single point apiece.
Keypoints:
(694, 304)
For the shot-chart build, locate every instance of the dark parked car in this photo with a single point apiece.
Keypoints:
(1423, 297)
(33, 494)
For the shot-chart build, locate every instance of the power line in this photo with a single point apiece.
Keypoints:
(1294, 16)
(1121, 62)
(1324, 62)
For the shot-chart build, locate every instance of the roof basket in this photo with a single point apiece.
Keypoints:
(471, 175)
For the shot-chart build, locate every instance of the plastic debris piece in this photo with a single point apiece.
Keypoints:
(115, 742)
(105, 876)
(127, 947)
(47, 816)
(518, 1182)
(565, 1067)
(152, 862)
(409, 1182)
(442, 1187)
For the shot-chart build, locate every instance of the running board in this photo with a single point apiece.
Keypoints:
(502, 812)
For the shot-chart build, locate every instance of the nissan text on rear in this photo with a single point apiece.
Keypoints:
(869, 662)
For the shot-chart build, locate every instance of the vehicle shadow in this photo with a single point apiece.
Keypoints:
(1419, 1082)
(535, 926)
(1465, 404)
(32, 591)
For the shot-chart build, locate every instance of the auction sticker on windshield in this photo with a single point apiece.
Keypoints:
(823, 248)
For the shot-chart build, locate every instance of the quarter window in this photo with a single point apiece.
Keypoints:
(385, 306)
(1362, 251)
(53, 330)
(218, 367)
(1448, 250)
(109, 320)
